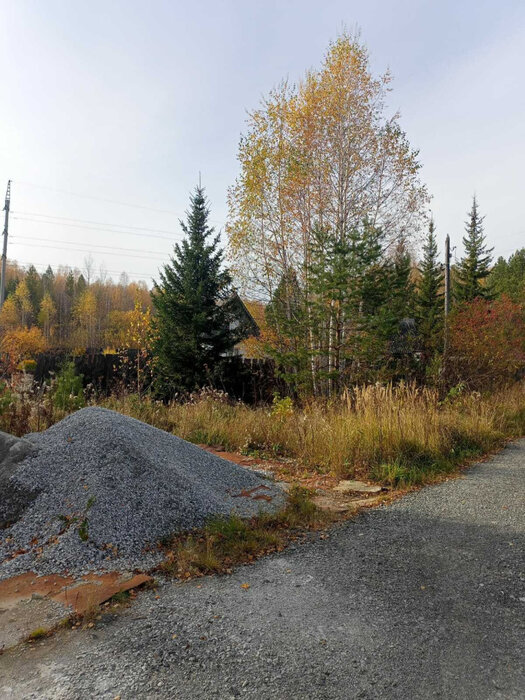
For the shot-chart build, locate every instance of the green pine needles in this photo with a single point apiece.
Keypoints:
(194, 323)
(430, 302)
(474, 267)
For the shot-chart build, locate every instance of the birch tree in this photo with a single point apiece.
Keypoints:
(321, 156)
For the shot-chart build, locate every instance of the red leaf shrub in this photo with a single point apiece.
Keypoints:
(487, 342)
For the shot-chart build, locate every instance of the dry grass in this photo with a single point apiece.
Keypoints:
(399, 436)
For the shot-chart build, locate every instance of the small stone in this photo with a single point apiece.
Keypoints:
(356, 487)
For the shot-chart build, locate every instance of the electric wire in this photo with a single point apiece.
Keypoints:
(56, 266)
(147, 253)
(107, 201)
(99, 223)
(101, 230)
(87, 250)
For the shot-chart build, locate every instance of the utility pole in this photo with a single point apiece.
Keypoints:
(4, 252)
(447, 298)
(447, 275)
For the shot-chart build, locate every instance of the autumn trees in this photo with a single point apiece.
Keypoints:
(328, 187)
(57, 309)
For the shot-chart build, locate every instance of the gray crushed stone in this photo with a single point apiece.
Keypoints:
(129, 483)
(423, 599)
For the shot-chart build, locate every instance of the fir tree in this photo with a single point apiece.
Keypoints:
(508, 277)
(34, 287)
(193, 301)
(348, 281)
(402, 289)
(80, 286)
(474, 267)
(48, 281)
(70, 286)
(430, 296)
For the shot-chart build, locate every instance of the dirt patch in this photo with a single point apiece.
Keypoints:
(29, 602)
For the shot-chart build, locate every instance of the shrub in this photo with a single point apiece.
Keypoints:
(487, 343)
(67, 393)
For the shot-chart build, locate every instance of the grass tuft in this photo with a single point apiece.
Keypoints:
(39, 633)
(227, 541)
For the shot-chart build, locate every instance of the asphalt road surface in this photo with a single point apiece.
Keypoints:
(424, 598)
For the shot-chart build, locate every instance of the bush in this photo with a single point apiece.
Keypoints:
(487, 343)
(67, 393)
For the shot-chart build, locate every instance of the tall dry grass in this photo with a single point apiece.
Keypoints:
(398, 435)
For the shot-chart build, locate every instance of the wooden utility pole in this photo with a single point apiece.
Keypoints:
(4, 251)
(447, 275)
(447, 296)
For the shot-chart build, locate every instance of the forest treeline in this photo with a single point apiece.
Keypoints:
(58, 309)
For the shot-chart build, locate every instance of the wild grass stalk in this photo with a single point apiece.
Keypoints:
(397, 435)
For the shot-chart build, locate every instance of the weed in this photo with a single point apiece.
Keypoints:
(120, 597)
(226, 541)
(83, 530)
(67, 393)
(39, 633)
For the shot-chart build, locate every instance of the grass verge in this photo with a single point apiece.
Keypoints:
(399, 436)
(228, 541)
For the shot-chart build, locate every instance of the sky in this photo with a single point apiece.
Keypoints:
(110, 110)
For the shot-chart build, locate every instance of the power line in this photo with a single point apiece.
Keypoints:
(87, 250)
(100, 223)
(147, 253)
(42, 266)
(109, 201)
(95, 228)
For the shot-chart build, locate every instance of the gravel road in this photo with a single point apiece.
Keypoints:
(421, 599)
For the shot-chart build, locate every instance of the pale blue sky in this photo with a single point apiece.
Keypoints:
(127, 101)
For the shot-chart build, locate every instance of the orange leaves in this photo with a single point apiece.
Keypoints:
(23, 344)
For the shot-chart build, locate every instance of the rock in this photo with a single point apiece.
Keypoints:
(15, 497)
(356, 487)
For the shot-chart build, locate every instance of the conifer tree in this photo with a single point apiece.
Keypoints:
(34, 286)
(193, 301)
(508, 277)
(475, 265)
(430, 296)
(402, 290)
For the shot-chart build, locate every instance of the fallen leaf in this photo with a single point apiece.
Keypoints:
(245, 586)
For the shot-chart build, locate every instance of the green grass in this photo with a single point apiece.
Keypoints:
(39, 633)
(227, 541)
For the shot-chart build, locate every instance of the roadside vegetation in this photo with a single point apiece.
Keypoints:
(228, 541)
(396, 435)
(375, 380)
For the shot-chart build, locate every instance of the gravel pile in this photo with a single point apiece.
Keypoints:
(102, 489)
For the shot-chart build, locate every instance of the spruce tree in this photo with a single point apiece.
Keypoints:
(402, 291)
(430, 296)
(508, 277)
(475, 265)
(193, 303)
(348, 281)
(35, 289)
